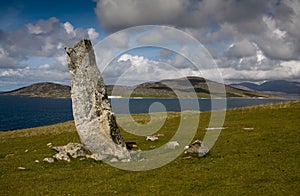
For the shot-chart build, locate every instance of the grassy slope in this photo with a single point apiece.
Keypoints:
(262, 162)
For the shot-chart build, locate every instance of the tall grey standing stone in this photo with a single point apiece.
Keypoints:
(94, 119)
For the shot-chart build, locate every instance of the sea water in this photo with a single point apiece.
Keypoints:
(17, 112)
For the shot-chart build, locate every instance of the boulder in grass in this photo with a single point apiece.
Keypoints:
(197, 147)
(73, 150)
(151, 138)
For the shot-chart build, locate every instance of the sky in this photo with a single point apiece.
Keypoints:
(249, 40)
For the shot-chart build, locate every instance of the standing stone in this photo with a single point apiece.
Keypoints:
(94, 119)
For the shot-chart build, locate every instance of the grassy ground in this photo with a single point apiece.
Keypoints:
(262, 161)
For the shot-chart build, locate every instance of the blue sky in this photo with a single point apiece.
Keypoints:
(249, 40)
(16, 13)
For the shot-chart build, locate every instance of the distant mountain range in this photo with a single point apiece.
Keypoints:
(169, 88)
(275, 86)
(163, 88)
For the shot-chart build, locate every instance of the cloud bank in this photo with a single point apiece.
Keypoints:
(250, 40)
(25, 52)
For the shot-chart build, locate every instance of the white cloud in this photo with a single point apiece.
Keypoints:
(69, 28)
(44, 66)
(9, 72)
(137, 61)
(62, 60)
(14, 72)
(44, 39)
(260, 57)
(34, 29)
(125, 13)
(92, 33)
(248, 39)
(241, 35)
(242, 48)
(6, 61)
(132, 69)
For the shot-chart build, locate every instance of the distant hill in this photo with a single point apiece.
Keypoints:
(275, 86)
(163, 88)
(44, 89)
(198, 85)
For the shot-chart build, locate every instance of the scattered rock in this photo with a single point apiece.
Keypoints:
(9, 155)
(197, 147)
(72, 149)
(214, 128)
(172, 145)
(26, 150)
(48, 160)
(21, 168)
(36, 161)
(62, 156)
(151, 138)
(248, 128)
(154, 137)
(49, 145)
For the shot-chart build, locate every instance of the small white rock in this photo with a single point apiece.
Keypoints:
(151, 138)
(214, 128)
(248, 128)
(49, 145)
(21, 168)
(48, 160)
(9, 155)
(26, 150)
(36, 161)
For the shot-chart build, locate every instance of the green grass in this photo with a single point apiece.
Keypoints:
(263, 161)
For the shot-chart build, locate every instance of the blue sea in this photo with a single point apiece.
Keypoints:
(17, 112)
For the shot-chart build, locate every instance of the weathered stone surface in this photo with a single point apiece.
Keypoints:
(96, 157)
(94, 120)
(197, 147)
(62, 156)
(72, 149)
